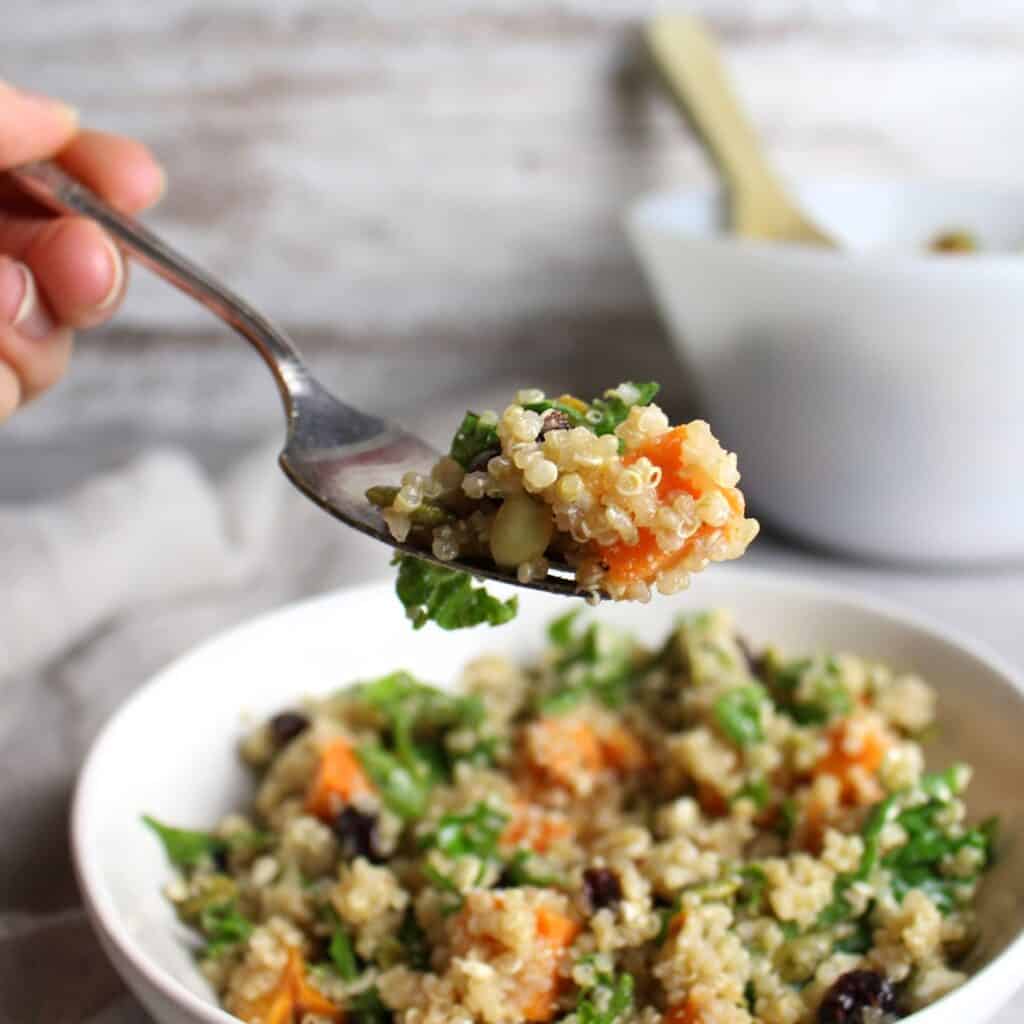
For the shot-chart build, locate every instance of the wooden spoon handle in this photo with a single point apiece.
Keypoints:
(688, 60)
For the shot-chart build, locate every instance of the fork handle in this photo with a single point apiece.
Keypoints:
(49, 185)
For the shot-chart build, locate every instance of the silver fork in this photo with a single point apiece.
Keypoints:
(332, 451)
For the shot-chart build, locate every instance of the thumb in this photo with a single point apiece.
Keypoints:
(33, 352)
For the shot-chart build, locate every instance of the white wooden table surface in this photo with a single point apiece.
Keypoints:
(429, 196)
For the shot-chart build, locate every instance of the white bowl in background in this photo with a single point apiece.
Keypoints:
(170, 750)
(875, 394)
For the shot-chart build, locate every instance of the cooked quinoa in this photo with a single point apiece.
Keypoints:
(696, 834)
(607, 488)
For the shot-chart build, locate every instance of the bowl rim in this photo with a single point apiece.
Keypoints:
(644, 215)
(1000, 977)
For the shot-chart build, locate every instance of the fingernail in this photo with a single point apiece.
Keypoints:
(31, 318)
(161, 189)
(117, 266)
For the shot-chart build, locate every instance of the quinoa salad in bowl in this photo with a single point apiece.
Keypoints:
(606, 489)
(692, 832)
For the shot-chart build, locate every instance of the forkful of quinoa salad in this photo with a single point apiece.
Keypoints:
(598, 499)
(606, 492)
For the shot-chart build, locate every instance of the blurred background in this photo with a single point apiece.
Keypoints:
(430, 195)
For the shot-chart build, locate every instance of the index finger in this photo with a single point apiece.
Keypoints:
(32, 127)
(121, 170)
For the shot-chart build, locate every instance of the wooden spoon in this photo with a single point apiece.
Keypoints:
(688, 60)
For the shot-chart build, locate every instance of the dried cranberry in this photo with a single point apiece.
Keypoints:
(286, 726)
(554, 419)
(853, 993)
(357, 834)
(220, 859)
(602, 887)
(507, 879)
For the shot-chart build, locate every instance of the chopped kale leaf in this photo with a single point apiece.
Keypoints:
(474, 833)
(399, 696)
(520, 870)
(738, 714)
(596, 662)
(223, 927)
(606, 413)
(758, 790)
(447, 596)
(184, 847)
(475, 436)
(404, 786)
(607, 1001)
(342, 956)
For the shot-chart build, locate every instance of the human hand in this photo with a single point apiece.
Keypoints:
(58, 273)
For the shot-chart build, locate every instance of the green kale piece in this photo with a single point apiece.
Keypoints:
(483, 753)
(597, 661)
(223, 927)
(453, 899)
(738, 714)
(447, 596)
(401, 697)
(608, 1000)
(918, 863)
(184, 847)
(404, 783)
(858, 937)
(474, 437)
(518, 871)
(474, 833)
(828, 699)
(788, 814)
(839, 909)
(342, 955)
(575, 417)
(758, 790)
(751, 893)
(603, 414)
(561, 630)
(413, 760)
(608, 412)
(665, 915)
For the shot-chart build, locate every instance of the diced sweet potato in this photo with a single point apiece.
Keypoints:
(685, 1012)
(622, 751)
(557, 932)
(289, 1000)
(339, 779)
(844, 763)
(534, 827)
(643, 560)
(564, 751)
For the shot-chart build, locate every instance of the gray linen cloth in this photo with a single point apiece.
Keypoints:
(104, 586)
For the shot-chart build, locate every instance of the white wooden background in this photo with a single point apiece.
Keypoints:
(429, 193)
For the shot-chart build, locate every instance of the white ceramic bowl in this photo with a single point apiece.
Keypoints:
(875, 395)
(170, 751)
